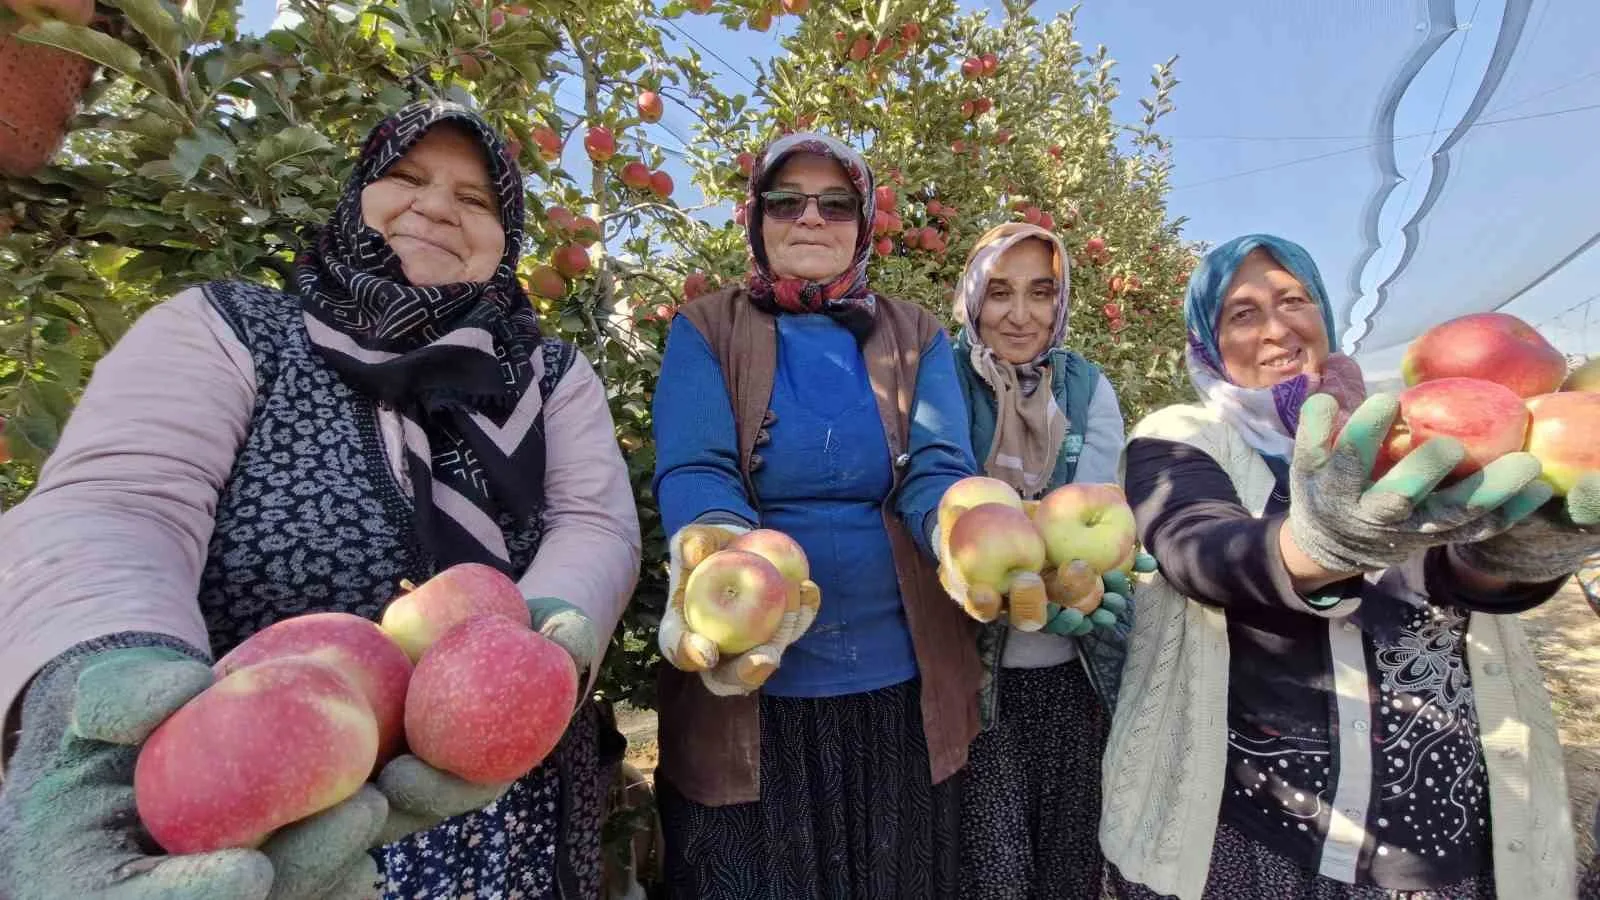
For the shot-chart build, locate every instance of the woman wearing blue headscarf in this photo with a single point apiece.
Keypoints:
(1327, 691)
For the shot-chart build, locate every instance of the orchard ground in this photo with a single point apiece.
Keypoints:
(1565, 634)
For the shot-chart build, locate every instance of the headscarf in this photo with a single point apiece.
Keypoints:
(455, 360)
(1266, 417)
(1029, 425)
(846, 299)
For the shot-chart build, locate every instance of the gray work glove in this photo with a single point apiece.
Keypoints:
(1345, 523)
(68, 823)
(1553, 542)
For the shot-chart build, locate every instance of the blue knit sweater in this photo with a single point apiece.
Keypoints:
(823, 480)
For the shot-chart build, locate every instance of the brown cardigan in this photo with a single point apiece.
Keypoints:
(711, 746)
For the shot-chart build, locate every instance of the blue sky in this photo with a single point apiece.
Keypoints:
(1290, 112)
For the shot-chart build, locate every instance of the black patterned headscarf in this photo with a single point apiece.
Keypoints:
(847, 298)
(455, 360)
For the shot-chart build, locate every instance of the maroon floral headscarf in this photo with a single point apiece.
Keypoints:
(846, 299)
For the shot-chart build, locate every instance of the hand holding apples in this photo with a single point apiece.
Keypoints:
(990, 554)
(736, 600)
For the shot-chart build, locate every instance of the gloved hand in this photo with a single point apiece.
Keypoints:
(1346, 524)
(690, 652)
(568, 626)
(1078, 601)
(68, 823)
(1551, 543)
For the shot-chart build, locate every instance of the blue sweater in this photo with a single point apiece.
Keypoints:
(824, 478)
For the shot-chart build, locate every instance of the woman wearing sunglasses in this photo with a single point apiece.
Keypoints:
(824, 763)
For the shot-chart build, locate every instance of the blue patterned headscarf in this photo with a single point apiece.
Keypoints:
(1266, 417)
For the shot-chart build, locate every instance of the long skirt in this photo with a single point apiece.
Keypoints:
(1241, 867)
(541, 839)
(1031, 807)
(848, 810)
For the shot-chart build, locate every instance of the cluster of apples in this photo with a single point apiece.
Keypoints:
(570, 260)
(1054, 550)
(735, 597)
(1495, 384)
(308, 709)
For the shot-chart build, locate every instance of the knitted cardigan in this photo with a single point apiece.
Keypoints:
(1165, 762)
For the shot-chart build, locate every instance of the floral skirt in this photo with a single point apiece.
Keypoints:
(1030, 811)
(848, 810)
(1241, 867)
(541, 839)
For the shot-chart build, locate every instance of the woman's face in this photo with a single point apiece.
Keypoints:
(810, 247)
(1018, 314)
(1271, 329)
(437, 210)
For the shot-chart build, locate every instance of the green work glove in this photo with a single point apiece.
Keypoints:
(68, 823)
(420, 797)
(1070, 622)
(568, 626)
(1345, 523)
(1549, 544)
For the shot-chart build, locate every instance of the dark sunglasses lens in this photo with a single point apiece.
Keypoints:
(837, 207)
(784, 205)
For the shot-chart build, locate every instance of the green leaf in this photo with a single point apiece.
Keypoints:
(289, 144)
(190, 153)
(36, 427)
(64, 365)
(155, 23)
(55, 331)
(196, 14)
(52, 398)
(87, 43)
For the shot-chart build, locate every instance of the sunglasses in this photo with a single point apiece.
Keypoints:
(791, 205)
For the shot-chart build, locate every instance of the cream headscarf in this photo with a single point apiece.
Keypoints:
(1029, 425)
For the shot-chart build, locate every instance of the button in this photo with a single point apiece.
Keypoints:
(1360, 725)
(1493, 668)
(903, 460)
(755, 461)
(1514, 846)
(763, 437)
(769, 417)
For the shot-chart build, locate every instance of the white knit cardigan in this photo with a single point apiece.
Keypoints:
(1165, 761)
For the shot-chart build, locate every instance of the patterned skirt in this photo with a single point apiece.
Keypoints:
(848, 810)
(541, 839)
(1031, 807)
(1241, 867)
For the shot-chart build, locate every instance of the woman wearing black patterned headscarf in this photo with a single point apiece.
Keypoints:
(245, 455)
(826, 762)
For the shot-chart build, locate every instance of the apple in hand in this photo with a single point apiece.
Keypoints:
(992, 543)
(357, 647)
(267, 745)
(490, 700)
(1088, 522)
(1075, 585)
(424, 613)
(1564, 435)
(1490, 346)
(735, 599)
(783, 551)
(969, 492)
(1487, 418)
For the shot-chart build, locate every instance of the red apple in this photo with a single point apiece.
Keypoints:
(886, 198)
(911, 32)
(549, 143)
(586, 230)
(268, 745)
(883, 246)
(1491, 346)
(661, 184)
(860, 49)
(561, 218)
(546, 282)
(990, 63)
(883, 46)
(701, 6)
(761, 21)
(357, 647)
(735, 599)
(490, 700)
(1047, 222)
(636, 175)
(696, 285)
(796, 7)
(1585, 377)
(1091, 522)
(663, 312)
(972, 67)
(1564, 434)
(1095, 246)
(1032, 215)
(422, 614)
(571, 260)
(650, 106)
(1487, 418)
(1112, 311)
(600, 143)
(968, 109)
(746, 163)
(992, 543)
(1056, 150)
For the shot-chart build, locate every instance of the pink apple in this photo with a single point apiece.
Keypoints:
(992, 543)
(1489, 346)
(735, 599)
(1487, 418)
(424, 613)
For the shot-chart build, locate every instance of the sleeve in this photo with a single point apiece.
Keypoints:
(1103, 437)
(589, 556)
(114, 535)
(940, 442)
(697, 449)
(1208, 546)
(1444, 588)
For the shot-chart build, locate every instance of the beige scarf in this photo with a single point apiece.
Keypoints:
(1029, 425)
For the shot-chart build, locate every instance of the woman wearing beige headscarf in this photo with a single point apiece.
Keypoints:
(1041, 416)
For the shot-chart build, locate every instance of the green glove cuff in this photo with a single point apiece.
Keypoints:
(570, 627)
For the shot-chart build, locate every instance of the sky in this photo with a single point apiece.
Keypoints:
(1435, 156)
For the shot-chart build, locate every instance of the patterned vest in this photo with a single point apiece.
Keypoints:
(311, 518)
